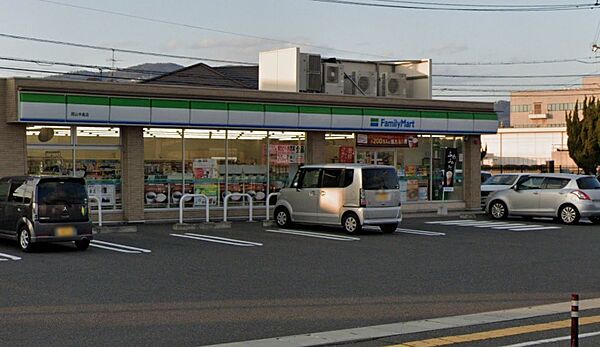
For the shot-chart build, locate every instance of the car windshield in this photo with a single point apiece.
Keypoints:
(380, 178)
(504, 180)
(61, 192)
(588, 183)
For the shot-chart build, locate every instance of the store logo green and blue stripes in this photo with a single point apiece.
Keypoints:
(374, 122)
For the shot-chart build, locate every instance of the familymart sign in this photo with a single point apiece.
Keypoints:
(193, 113)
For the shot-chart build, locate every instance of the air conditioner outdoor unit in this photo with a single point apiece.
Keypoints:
(310, 72)
(394, 85)
(365, 80)
(333, 78)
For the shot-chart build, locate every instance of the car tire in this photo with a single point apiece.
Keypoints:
(498, 210)
(388, 228)
(82, 245)
(568, 214)
(282, 217)
(595, 220)
(351, 223)
(24, 239)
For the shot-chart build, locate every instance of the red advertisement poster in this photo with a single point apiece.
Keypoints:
(346, 154)
(387, 140)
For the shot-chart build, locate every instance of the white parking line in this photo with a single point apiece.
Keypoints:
(312, 234)
(528, 228)
(10, 257)
(104, 243)
(114, 249)
(448, 222)
(225, 239)
(510, 226)
(555, 339)
(419, 232)
(214, 239)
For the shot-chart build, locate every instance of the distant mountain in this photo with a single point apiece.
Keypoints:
(134, 73)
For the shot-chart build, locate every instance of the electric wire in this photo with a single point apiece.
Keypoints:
(191, 26)
(552, 8)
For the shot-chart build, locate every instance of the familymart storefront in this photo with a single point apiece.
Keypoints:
(141, 147)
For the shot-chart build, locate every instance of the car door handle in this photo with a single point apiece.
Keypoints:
(536, 193)
(311, 193)
(323, 193)
(19, 209)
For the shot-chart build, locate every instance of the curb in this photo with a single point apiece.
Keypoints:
(114, 229)
(201, 226)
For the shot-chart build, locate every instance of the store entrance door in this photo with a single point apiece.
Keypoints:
(376, 157)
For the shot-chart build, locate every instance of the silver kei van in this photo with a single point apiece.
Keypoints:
(350, 195)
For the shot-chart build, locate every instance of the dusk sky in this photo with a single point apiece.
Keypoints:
(339, 30)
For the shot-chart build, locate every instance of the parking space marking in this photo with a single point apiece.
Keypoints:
(118, 247)
(216, 239)
(7, 257)
(534, 228)
(313, 234)
(419, 232)
(494, 225)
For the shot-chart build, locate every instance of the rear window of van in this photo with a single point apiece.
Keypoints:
(379, 178)
(61, 192)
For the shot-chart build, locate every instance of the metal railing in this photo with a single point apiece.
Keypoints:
(99, 201)
(268, 205)
(236, 194)
(182, 201)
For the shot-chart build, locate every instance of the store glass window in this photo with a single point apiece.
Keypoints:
(247, 165)
(414, 168)
(286, 154)
(163, 166)
(204, 166)
(93, 153)
(339, 148)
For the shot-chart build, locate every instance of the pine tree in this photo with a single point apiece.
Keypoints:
(584, 136)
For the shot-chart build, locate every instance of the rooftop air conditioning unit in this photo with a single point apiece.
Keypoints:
(333, 78)
(394, 85)
(365, 80)
(310, 73)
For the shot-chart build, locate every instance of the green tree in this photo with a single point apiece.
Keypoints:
(584, 136)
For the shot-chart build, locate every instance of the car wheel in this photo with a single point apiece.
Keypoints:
(595, 220)
(388, 228)
(568, 214)
(498, 210)
(82, 245)
(25, 240)
(351, 223)
(282, 217)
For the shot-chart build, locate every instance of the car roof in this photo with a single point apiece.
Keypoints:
(559, 175)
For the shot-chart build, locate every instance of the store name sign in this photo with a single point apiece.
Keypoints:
(393, 123)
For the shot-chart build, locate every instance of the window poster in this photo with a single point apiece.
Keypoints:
(206, 176)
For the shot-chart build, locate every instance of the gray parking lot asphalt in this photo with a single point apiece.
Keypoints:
(189, 288)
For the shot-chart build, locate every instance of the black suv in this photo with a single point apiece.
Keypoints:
(44, 209)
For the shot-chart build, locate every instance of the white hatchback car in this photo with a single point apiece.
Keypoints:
(566, 197)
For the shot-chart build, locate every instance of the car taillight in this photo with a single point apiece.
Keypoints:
(363, 199)
(581, 195)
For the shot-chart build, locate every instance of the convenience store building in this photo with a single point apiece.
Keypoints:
(141, 146)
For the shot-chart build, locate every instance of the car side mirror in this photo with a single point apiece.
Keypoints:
(515, 187)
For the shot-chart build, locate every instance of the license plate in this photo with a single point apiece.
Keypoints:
(382, 196)
(65, 231)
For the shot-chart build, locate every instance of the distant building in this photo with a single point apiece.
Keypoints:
(538, 130)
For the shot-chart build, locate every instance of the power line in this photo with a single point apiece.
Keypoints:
(513, 76)
(82, 45)
(447, 7)
(190, 26)
(525, 62)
